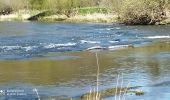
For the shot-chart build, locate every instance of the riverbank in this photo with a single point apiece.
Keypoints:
(21, 15)
(95, 17)
(87, 15)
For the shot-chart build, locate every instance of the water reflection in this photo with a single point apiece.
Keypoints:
(141, 66)
(61, 69)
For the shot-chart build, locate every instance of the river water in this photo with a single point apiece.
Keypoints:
(58, 59)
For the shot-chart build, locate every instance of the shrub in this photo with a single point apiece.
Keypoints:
(142, 11)
(5, 11)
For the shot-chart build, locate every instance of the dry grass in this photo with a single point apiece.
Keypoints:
(94, 94)
(95, 17)
(54, 18)
(119, 93)
(20, 15)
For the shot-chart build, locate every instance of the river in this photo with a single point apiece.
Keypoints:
(58, 61)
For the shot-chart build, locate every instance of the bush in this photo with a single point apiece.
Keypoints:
(13, 5)
(142, 12)
(4, 10)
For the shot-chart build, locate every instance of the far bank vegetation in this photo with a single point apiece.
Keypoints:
(131, 12)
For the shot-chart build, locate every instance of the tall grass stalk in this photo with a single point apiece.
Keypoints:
(123, 97)
(116, 87)
(94, 94)
(97, 77)
(119, 93)
(36, 91)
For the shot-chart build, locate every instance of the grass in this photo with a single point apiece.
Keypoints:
(91, 10)
(36, 91)
(96, 17)
(95, 95)
(119, 92)
(20, 15)
(84, 14)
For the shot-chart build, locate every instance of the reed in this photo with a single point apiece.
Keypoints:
(95, 94)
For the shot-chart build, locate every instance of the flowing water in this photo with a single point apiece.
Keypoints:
(58, 59)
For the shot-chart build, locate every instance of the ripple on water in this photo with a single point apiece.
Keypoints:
(52, 45)
(90, 42)
(158, 37)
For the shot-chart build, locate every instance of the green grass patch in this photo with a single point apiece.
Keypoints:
(91, 10)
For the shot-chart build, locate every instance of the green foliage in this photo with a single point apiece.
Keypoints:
(37, 4)
(91, 10)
